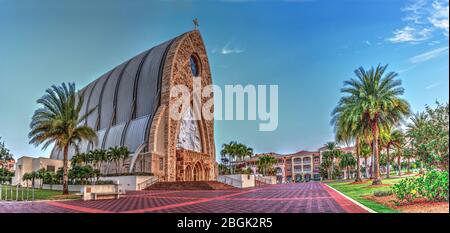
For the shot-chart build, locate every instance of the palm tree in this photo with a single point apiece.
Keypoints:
(40, 174)
(26, 177)
(377, 94)
(247, 152)
(365, 152)
(407, 153)
(390, 138)
(124, 154)
(33, 176)
(418, 120)
(350, 126)
(331, 153)
(98, 156)
(229, 151)
(347, 161)
(58, 121)
(399, 150)
(115, 155)
(265, 163)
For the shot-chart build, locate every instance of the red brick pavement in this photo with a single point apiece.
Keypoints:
(312, 197)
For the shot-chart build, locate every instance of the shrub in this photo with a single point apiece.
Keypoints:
(381, 193)
(406, 190)
(432, 186)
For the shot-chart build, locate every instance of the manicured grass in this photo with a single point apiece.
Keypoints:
(39, 194)
(357, 191)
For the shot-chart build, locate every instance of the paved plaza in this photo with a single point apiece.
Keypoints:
(312, 197)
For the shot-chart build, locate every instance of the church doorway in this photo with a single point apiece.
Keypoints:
(198, 172)
(188, 173)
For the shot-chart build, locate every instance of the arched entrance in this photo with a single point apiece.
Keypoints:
(198, 172)
(188, 173)
(206, 174)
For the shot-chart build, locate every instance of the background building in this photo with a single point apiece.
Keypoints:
(297, 167)
(27, 164)
(8, 164)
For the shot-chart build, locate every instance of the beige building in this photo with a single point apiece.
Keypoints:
(27, 164)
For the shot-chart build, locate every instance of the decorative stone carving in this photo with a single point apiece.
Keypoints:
(189, 136)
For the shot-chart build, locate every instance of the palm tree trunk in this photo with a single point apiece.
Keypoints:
(376, 170)
(399, 162)
(348, 173)
(366, 169)
(332, 168)
(372, 159)
(358, 168)
(388, 166)
(409, 165)
(65, 171)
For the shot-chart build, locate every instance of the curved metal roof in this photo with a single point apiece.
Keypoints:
(125, 100)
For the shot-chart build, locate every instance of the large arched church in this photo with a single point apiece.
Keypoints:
(131, 108)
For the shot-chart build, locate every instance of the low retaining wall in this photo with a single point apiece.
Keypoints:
(59, 187)
(127, 183)
(238, 180)
(270, 179)
(76, 187)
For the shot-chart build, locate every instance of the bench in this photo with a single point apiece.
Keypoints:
(110, 195)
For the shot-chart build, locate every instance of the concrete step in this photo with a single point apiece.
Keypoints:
(190, 185)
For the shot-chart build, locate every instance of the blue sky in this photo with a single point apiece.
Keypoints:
(307, 47)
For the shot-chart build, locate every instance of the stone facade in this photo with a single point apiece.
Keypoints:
(177, 163)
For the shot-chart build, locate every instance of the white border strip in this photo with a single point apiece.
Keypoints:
(349, 198)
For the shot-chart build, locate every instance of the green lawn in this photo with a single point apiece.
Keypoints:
(357, 191)
(39, 194)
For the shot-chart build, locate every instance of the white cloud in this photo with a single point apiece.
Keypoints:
(367, 42)
(429, 55)
(433, 85)
(439, 17)
(424, 19)
(410, 34)
(234, 50)
(227, 49)
(434, 42)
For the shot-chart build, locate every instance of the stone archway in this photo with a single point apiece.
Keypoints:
(188, 173)
(198, 172)
(206, 170)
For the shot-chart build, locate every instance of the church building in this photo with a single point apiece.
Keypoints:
(131, 108)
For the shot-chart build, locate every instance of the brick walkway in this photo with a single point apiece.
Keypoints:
(312, 197)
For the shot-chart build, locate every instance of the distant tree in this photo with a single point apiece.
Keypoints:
(124, 154)
(331, 153)
(390, 138)
(265, 164)
(40, 174)
(429, 136)
(346, 162)
(5, 156)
